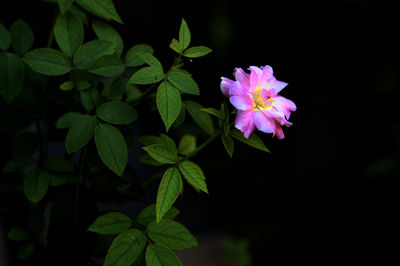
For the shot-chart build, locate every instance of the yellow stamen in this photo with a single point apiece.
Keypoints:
(259, 99)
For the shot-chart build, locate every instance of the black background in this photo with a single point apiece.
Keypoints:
(313, 194)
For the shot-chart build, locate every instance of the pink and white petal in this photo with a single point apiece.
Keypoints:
(241, 102)
(285, 105)
(255, 76)
(264, 123)
(278, 132)
(245, 123)
(242, 77)
(267, 72)
(237, 89)
(226, 84)
(277, 86)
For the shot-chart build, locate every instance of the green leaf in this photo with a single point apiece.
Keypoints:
(157, 255)
(111, 147)
(132, 57)
(162, 153)
(111, 223)
(64, 5)
(48, 61)
(197, 51)
(148, 140)
(213, 112)
(101, 8)
(89, 52)
(18, 163)
(126, 248)
(187, 144)
(148, 214)
(194, 175)
(68, 32)
(21, 37)
(253, 141)
(78, 13)
(82, 85)
(26, 250)
(11, 75)
(89, 98)
(176, 46)
(146, 75)
(17, 234)
(80, 133)
(59, 164)
(228, 143)
(181, 117)
(168, 103)
(36, 183)
(117, 112)
(150, 60)
(62, 179)
(169, 142)
(168, 192)
(67, 85)
(184, 35)
(183, 82)
(108, 66)
(171, 234)
(105, 32)
(202, 119)
(5, 38)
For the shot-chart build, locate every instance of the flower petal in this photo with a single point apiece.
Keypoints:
(244, 122)
(237, 89)
(285, 105)
(278, 132)
(242, 77)
(255, 76)
(267, 72)
(277, 85)
(264, 123)
(241, 102)
(225, 85)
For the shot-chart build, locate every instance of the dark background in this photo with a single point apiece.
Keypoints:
(330, 187)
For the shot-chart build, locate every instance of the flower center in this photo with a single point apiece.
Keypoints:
(260, 101)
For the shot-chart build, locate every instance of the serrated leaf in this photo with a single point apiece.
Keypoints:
(150, 60)
(5, 38)
(184, 35)
(36, 183)
(108, 66)
(111, 223)
(253, 141)
(168, 103)
(48, 61)
(162, 153)
(105, 32)
(187, 144)
(148, 214)
(146, 75)
(111, 147)
(116, 112)
(11, 75)
(194, 175)
(202, 119)
(171, 234)
(176, 46)
(21, 37)
(17, 234)
(126, 248)
(197, 51)
(183, 82)
(132, 57)
(89, 52)
(64, 5)
(68, 32)
(228, 143)
(80, 133)
(168, 192)
(157, 255)
(213, 112)
(101, 8)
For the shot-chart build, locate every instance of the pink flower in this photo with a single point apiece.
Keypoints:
(259, 105)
